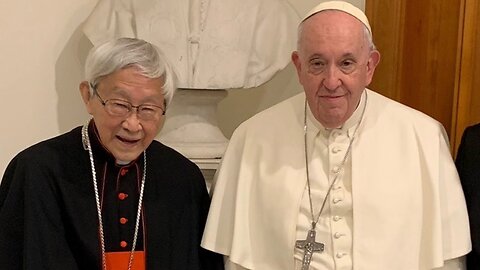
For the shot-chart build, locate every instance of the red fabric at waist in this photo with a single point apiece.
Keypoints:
(119, 260)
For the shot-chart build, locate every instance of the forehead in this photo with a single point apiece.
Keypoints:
(131, 77)
(131, 84)
(332, 29)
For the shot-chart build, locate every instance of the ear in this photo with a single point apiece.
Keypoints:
(372, 63)
(86, 95)
(296, 61)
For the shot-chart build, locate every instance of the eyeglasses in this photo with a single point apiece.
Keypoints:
(122, 108)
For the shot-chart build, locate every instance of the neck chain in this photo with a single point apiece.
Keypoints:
(87, 146)
(309, 245)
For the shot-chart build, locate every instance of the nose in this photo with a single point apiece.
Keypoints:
(332, 80)
(132, 122)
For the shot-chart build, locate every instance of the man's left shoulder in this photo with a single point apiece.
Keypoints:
(167, 161)
(162, 154)
(401, 113)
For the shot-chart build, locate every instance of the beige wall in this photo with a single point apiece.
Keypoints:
(42, 54)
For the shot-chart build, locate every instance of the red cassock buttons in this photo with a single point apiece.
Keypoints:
(123, 244)
(123, 172)
(122, 196)
(123, 220)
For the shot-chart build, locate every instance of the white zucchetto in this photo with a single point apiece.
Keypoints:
(341, 6)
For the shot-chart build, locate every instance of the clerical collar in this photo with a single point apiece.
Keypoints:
(101, 151)
(121, 162)
(316, 127)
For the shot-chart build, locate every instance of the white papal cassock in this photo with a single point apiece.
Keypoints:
(213, 44)
(398, 204)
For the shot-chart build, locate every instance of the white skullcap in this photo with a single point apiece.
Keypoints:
(341, 6)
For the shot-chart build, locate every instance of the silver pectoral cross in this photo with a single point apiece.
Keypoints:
(309, 246)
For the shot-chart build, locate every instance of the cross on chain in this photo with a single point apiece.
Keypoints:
(309, 246)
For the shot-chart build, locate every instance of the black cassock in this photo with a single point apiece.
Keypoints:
(48, 214)
(468, 166)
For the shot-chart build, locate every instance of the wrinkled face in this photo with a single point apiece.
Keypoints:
(334, 65)
(126, 137)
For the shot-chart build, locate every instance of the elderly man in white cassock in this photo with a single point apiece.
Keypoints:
(338, 177)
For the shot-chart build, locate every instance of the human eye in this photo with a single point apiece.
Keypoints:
(148, 110)
(347, 65)
(316, 65)
(118, 107)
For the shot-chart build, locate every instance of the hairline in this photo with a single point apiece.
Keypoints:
(367, 34)
(123, 53)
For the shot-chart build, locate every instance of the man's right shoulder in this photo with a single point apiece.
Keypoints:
(48, 149)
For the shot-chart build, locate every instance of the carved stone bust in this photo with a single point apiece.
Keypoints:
(213, 44)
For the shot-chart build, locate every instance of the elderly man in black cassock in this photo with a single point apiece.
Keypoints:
(106, 195)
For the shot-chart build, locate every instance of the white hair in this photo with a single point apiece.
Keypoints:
(121, 53)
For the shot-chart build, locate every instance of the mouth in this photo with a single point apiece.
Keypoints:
(331, 97)
(127, 140)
